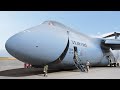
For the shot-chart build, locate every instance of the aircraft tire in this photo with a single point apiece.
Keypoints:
(110, 65)
(118, 64)
(115, 64)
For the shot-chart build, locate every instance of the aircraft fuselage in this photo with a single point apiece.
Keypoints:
(54, 45)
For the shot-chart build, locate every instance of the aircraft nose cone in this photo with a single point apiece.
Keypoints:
(17, 46)
(12, 44)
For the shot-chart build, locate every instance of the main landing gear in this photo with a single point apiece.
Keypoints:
(114, 65)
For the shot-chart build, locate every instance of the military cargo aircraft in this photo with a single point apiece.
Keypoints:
(58, 46)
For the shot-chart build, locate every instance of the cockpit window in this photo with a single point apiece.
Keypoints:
(54, 23)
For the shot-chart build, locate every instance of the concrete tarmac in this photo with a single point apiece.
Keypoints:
(14, 69)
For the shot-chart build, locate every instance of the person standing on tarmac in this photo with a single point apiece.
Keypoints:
(87, 65)
(45, 70)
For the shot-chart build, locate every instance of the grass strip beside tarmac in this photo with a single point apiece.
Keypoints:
(7, 58)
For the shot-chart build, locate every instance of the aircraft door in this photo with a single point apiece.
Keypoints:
(75, 51)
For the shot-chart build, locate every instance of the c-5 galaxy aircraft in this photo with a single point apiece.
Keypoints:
(58, 46)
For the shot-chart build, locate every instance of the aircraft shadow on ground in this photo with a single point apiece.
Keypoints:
(24, 72)
(19, 72)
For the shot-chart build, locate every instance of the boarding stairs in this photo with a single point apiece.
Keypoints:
(78, 63)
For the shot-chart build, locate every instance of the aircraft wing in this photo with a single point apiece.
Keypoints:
(114, 44)
(116, 34)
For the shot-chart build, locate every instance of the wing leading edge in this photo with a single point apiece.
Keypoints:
(116, 34)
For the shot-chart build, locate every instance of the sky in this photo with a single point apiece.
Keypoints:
(87, 22)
